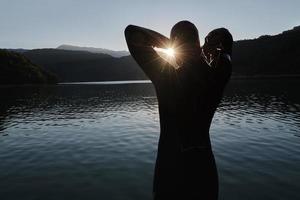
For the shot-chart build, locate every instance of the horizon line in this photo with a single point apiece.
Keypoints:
(89, 46)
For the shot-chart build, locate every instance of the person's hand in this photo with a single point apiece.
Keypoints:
(212, 47)
(217, 43)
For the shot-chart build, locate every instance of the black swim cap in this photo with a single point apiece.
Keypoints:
(186, 32)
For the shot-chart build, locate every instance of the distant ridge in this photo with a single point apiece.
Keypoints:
(264, 57)
(116, 54)
(15, 68)
(76, 66)
(268, 55)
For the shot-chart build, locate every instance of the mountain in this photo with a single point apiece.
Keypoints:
(116, 54)
(18, 50)
(266, 56)
(85, 66)
(15, 68)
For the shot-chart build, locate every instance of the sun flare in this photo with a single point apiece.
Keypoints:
(168, 55)
(169, 51)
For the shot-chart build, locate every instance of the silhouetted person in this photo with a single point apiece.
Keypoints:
(187, 97)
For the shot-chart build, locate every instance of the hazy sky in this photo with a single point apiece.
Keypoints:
(49, 23)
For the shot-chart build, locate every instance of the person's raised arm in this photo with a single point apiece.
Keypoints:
(141, 42)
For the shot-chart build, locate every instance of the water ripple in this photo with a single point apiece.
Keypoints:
(99, 141)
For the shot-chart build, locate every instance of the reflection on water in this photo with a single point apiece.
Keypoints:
(96, 141)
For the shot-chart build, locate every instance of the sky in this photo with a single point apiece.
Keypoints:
(96, 23)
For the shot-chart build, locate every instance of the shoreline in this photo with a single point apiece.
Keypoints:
(281, 76)
(121, 82)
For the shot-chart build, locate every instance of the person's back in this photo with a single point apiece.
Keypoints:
(187, 98)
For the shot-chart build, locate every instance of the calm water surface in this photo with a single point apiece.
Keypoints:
(99, 141)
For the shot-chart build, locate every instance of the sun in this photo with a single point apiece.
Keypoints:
(170, 52)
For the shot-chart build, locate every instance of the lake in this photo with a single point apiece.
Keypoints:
(99, 141)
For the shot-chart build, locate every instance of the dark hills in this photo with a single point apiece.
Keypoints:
(85, 66)
(15, 68)
(266, 56)
(116, 54)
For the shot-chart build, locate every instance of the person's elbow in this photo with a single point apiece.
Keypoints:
(129, 31)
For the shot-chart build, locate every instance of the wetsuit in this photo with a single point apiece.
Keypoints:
(187, 98)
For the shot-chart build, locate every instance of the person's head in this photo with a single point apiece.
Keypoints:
(221, 38)
(185, 40)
